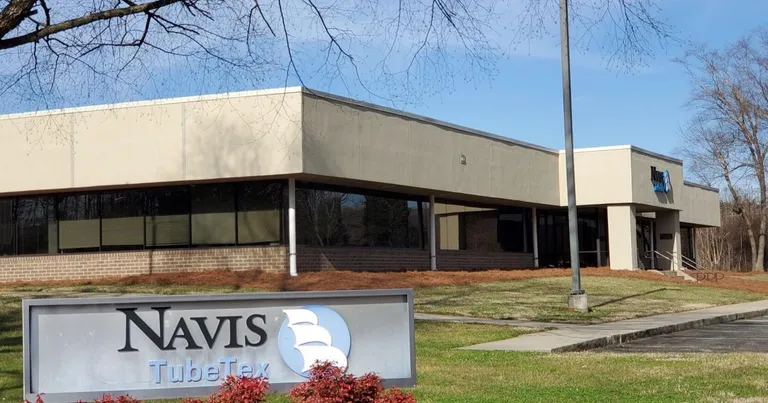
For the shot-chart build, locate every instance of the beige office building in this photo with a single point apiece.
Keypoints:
(293, 180)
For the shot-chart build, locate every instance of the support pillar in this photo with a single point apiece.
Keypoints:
(653, 244)
(668, 240)
(622, 237)
(535, 228)
(432, 242)
(292, 227)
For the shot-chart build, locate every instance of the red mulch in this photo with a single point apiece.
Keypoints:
(346, 280)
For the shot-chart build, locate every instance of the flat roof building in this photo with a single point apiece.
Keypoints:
(291, 180)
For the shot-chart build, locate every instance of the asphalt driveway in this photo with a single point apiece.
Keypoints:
(749, 335)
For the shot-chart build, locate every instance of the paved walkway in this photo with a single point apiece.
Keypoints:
(747, 335)
(596, 336)
(516, 323)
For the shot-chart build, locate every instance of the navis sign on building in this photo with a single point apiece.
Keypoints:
(178, 346)
(660, 180)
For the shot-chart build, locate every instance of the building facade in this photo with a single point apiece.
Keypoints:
(294, 180)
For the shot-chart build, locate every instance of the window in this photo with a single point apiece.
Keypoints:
(213, 214)
(36, 225)
(245, 213)
(513, 230)
(259, 208)
(335, 217)
(122, 220)
(79, 223)
(167, 222)
(7, 227)
(482, 228)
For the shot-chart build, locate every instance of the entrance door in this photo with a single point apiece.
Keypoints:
(645, 257)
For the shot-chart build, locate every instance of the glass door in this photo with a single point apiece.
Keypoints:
(645, 257)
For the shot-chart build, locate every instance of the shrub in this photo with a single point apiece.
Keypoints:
(241, 390)
(330, 384)
(327, 384)
(119, 399)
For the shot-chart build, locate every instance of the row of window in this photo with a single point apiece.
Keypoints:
(197, 215)
(328, 216)
(248, 213)
(483, 228)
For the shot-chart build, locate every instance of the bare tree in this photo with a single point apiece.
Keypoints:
(58, 52)
(727, 140)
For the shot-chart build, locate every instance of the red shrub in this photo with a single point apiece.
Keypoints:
(331, 384)
(241, 390)
(396, 396)
(119, 399)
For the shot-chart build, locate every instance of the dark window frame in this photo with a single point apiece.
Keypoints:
(53, 215)
(363, 192)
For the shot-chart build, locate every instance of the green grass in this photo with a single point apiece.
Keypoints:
(450, 375)
(544, 299)
(446, 374)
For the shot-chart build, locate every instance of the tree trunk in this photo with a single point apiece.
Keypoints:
(753, 242)
(759, 264)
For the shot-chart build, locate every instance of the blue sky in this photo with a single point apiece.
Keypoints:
(522, 100)
(645, 108)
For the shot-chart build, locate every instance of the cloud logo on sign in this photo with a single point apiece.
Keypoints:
(310, 334)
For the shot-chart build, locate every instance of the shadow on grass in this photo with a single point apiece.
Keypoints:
(615, 300)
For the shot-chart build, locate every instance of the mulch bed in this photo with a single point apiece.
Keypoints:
(347, 280)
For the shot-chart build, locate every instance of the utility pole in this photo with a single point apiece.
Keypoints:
(577, 298)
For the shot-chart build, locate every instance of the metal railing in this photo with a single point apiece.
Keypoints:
(700, 274)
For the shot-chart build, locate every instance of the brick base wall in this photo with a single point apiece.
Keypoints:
(475, 260)
(315, 259)
(92, 265)
(267, 258)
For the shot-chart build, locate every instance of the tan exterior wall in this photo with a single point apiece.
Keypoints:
(700, 206)
(642, 188)
(602, 177)
(355, 142)
(622, 237)
(165, 141)
(82, 266)
(38, 147)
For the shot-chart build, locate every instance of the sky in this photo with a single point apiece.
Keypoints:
(646, 107)
(522, 100)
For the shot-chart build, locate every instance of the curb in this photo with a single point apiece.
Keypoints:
(641, 334)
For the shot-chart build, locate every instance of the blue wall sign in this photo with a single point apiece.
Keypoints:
(660, 180)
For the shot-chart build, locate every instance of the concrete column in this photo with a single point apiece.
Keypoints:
(653, 245)
(668, 240)
(535, 223)
(432, 241)
(292, 227)
(622, 237)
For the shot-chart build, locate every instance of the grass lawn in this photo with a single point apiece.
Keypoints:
(544, 299)
(539, 299)
(449, 375)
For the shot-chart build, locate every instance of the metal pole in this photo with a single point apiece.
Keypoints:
(534, 222)
(292, 269)
(573, 223)
(432, 235)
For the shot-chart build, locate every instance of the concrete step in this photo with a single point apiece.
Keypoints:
(679, 274)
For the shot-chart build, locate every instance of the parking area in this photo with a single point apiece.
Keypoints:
(749, 335)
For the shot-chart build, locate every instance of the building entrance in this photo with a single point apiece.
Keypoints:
(645, 245)
(554, 250)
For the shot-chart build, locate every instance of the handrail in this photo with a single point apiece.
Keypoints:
(701, 274)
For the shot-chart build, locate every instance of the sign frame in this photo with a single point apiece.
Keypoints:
(29, 304)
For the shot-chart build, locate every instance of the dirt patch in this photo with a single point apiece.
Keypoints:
(346, 280)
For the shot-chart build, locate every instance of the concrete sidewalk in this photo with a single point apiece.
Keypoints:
(578, 338)
(500, 322)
